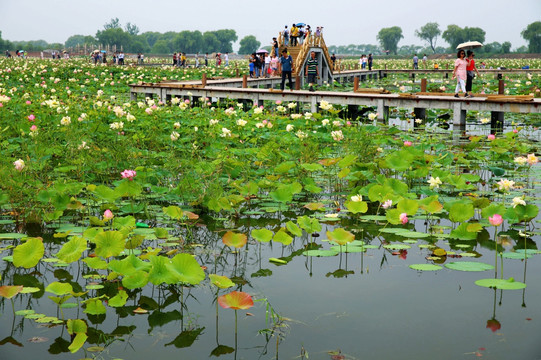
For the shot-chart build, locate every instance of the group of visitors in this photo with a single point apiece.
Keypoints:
(416, 61)
(363, 61)
(299, 32)
(262, 65)
(99, 57)
(179, 59)
(464, 72)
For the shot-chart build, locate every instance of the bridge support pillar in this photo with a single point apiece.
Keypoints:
(459, 117)
(383, 110)
(133, 96)
(496, 122)
(420, 113)
(313, 104)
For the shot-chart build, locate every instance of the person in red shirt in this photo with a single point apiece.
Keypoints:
(470, 68)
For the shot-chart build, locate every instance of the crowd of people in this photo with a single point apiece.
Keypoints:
(296, 35)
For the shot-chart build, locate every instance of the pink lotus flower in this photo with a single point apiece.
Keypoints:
(494, 325)
(31, 117)
(33, 128)
(495, 220)
(28, 102)
(491, 137)
(278, 102)
(403, 218)
(108, 215)
(515, 131)
(407, 143)
(128, 174)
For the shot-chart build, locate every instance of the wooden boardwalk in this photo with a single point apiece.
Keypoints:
(228, 89)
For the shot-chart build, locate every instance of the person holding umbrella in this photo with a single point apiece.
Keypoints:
(470, 71)
(460, 73)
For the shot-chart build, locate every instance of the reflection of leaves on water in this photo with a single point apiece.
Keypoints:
(340, 273)
(221, 350)
(186, 338)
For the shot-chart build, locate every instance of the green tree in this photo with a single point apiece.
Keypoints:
(113, 24)
(389, 38)
(454, 35)
(81, 40)
(248, 45)
(160, 47)
(210, 42)
(506, 47)
(114, 36)
(151, 37)
(131, 29)
(532, 34)
(429, 32)
(226, 38)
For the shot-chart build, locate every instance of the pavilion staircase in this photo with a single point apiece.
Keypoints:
(301, 52)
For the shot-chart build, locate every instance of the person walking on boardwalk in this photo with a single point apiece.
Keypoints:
(312, 70)
(294, 34)
(370, 59)
(415, 62)
(460, 73)
(285, 35)
(470, 68)
(286, 67)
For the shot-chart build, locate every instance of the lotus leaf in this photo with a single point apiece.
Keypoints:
(109, 243)
(236, 240)
(502, 284)
(309, 224)
(460, 212)
(78, 342)
(59, 288)
(469, 266)
(223, 282)
(340, 236)
(293, 228)
(119, 299)
(357, 206)
(137, 279)
(236, 300)
(282, 237)
(94, 306)
(262, 235)
(160, 272)
(186, 269)
(72, 250)
(408, 206)
(10, 291)
(28, 254)
(425, 267)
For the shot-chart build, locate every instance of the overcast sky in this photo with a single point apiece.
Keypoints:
(345, 21)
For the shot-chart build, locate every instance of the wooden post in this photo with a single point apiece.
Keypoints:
(413, 76)
(237, 71)
(355, 83)
(204, 79)
(423, 85)
(244, 81)
(297, 82)
(501, 87)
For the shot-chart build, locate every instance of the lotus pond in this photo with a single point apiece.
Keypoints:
(197, 229)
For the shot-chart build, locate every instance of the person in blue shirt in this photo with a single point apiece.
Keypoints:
(286, 67)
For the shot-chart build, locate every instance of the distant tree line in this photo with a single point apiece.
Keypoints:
(130, 40)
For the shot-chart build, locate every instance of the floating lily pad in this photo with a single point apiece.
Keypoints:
(322, 253)
(425, 267)
(412, 234)
(25, 312)
(5, 236)
(519, 255)
(29, 290)
(392, 230)
(410, 241)
(348, 249)
(501, 284)
(374, 217)
(396, 246)
(469, 266)
(94, 287)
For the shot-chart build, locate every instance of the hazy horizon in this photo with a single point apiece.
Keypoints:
(56, 20)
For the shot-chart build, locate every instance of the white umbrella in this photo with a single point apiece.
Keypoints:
(469, 45)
